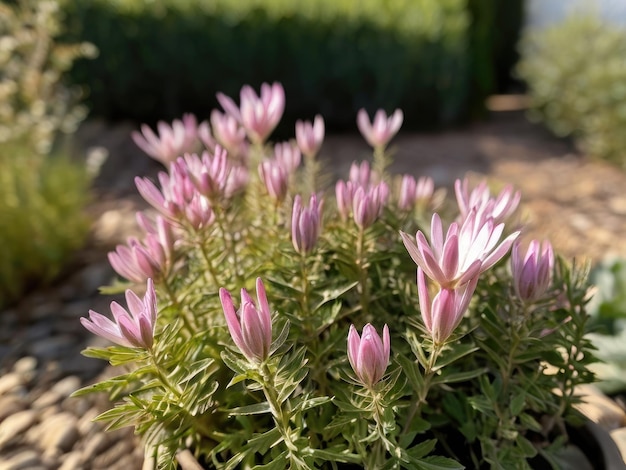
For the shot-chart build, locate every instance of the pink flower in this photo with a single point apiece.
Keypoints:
(310, 136)
(288, 155)
(408, 193)
(228, 131)
(275, 178)
(133, 328)
(171, 141)
(208, 173)
(379, 133)
(532, 272)
(250, 327)
(259, 115)
(205, 136)
(344, 192)
(444, 313)
(178, 199)
(305, 224)
(237, 181)
(140, 261)
(368, 204)
(368, 354)
(466, 251)
(360, 174)
(479, 199)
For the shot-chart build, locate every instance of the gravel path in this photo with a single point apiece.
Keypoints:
(580, 204)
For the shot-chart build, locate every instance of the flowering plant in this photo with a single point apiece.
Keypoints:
(343, 360)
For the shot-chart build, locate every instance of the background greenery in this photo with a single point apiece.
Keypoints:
(42, 194)
(436, 59)
(576, 75)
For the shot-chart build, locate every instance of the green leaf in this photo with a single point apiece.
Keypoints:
(517, 403)
(307, 404)
(333, 294)
(280, 462)
(458, 376)
(333, 455)
(255, 409)
(458, 351)
(439, 463)
(281, 338)
(412, 372)
(422, 449)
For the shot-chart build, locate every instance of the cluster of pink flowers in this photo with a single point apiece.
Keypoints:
(361, 196)
(472, 245)
(449, 263)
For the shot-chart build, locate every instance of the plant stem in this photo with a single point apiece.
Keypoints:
(281, 417)
(179, 309)
(381, 163)
(162, 376)
(422, 394)
(362, 267)
(227, 242)
(209, 264)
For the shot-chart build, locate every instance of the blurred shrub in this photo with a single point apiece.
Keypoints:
(34, 103)
(42, 200)
(42, 196)
(576, 74)
(608, 308)
(160, 58)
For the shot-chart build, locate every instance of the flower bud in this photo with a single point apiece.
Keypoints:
(275, 178)
(251, 326)
(368, 204)
(444, 313)
(310, 136)
(532, 272)
(368, 354)
(305, 224)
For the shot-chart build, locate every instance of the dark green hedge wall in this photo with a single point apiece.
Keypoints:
(160, 58)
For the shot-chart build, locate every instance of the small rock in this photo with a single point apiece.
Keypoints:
(45, 309)
(46, 400)
(95, 444)
(113, 454)
(53, 347)
(72, 461)
(13, 426)
(9, 382)
(75, 405)
(85, 367)
(65, 387)
(22, 460)
(25, 365)
(9, 405)
(38, 331)
(86, 423)
(59, 433)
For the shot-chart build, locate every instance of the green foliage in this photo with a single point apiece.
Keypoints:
(42, 198)
(478, 400)
(34, 103)
(576, 77)
(608, 310)
(161, 58)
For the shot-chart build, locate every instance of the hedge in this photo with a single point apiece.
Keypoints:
(160, 58)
